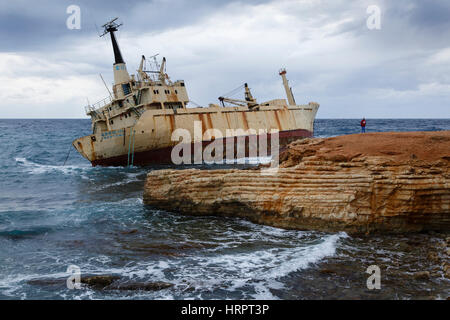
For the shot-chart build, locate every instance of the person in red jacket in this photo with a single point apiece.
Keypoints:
(363, 125)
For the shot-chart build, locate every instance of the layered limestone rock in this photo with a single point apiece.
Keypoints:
(388, 182)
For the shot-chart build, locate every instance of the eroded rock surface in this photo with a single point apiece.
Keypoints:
(386, 182)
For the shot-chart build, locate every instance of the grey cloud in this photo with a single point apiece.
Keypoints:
(28, 26)
(397, 55)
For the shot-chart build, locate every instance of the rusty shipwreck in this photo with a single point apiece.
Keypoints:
(134, 124)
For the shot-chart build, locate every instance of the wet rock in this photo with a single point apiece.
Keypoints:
(106, 282)
(433, 257)
(435, 275)
(447, 271)
(405, 247)
(132, 231)
(414, 242)
(327, 271)
(47, 282)
(426, 298)
(441, 244)
(142, 286)
(99, 282)
(422, 275)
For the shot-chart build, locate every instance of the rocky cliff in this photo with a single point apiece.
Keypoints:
(377, 182)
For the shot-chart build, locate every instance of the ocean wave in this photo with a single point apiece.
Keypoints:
(25, 232)
(85, 172)
(198, 276)
(261, 269)
(36, 168)
(130, 177)
(249, 275)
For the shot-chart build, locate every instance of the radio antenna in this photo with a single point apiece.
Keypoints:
(106, 85)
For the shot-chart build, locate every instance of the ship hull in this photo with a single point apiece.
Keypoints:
(164, 155)
(151, 139)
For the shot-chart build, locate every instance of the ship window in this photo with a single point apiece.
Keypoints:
(182, 84)
(172, 105)
(126, 88)
(154, 106)
(111, 121)
(176, 91)
(126, 115)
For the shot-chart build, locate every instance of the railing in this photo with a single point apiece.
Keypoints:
(99, 104)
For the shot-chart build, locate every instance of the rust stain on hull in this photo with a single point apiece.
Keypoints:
(163, 155)
(158, 129)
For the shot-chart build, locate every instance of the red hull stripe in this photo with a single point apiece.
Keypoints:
(163, 155)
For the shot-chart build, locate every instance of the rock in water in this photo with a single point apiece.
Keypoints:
(99, 281)
(422, 275)
(143, 286)
(355, 183)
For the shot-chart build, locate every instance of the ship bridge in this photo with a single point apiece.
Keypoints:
(150, 89)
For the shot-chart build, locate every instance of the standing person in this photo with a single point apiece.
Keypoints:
(363, 125)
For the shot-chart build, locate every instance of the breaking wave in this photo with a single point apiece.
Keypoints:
(36, 168)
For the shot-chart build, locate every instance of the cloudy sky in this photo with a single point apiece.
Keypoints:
(399, 71)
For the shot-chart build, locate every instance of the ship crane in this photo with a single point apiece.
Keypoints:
(249, 101)
(161, 74)
(141, 72)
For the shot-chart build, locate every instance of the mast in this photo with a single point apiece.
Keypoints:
(111, 27)
(162, 75)
(121, 75)
(288, 90)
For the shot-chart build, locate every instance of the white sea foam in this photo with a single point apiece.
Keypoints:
(203, 272)
(261, 270)
(36, 168)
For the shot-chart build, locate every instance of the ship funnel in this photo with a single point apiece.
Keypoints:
(288, 90)
(121, 74)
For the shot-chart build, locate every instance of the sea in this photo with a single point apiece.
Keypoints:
(57, 218)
